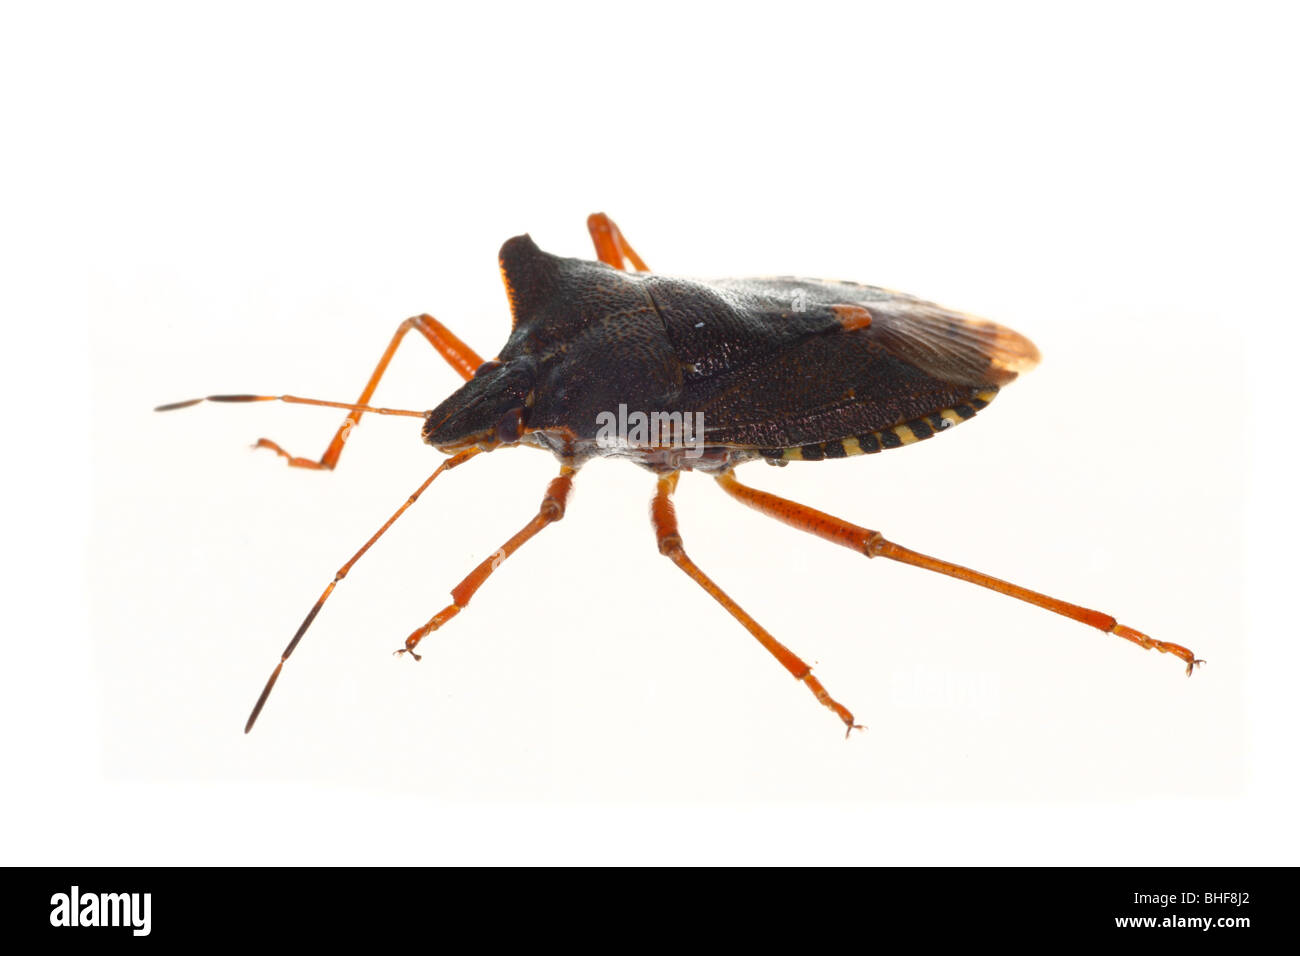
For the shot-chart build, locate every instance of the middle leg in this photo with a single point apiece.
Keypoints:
(664, 518)
(611, 248)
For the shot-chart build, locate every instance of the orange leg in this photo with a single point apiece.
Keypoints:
(611, 248)
(873, 545)
(551, 510)
(458, 355)
(664, 518)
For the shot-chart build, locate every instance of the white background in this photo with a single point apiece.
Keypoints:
(251, 199)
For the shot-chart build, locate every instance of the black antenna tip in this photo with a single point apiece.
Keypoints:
(175, 405)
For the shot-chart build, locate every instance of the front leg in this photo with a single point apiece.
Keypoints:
(456, 353)
(550, 511)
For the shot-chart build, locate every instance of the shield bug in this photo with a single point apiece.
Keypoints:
(608, 359)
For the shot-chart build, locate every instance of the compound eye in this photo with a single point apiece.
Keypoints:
(489, 366)
(511, 426)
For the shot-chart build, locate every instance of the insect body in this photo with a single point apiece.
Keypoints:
(685, 375)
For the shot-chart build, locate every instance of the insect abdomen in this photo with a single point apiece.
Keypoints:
(896, 436)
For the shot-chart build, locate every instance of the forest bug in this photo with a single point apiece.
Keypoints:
(607, 359)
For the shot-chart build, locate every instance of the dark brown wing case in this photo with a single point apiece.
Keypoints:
(770, 363)
(785, 362)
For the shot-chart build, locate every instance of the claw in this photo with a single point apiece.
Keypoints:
(294, 462)
(1151, 644)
